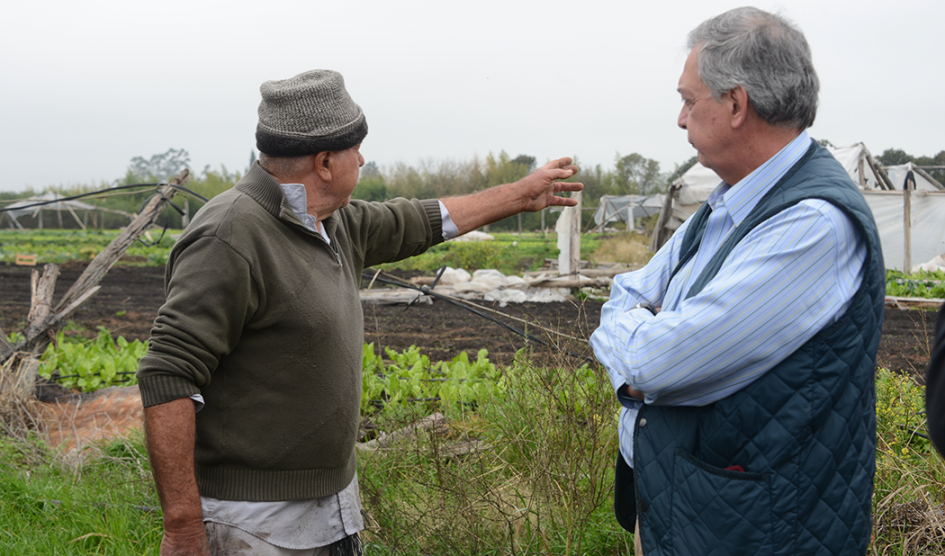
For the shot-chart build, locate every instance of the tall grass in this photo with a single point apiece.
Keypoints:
(910, 476)
(537, 480)
(101, 503)
(524, 470)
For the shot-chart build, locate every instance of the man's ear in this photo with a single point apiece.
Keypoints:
(324, 165)
(738, 106)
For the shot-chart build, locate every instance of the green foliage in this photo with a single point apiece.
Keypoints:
(508, 253)
(635, 174)
(409, 377)
(89, 366)
(371, 188)
(60, 246)
(926, 284)
(103, 503)
(160, 167)
(895, 157)
(681, 169)
(900, 424)
(910, 476)
(541, 484)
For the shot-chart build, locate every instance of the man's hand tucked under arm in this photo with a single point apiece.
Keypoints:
(631, 393)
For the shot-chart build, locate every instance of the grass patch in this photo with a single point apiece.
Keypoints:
(518, 253)
(103, 503)
(631, 249)
(540, 481)
(525, 468)
(61, 246)
(508, 253)
(910, 475)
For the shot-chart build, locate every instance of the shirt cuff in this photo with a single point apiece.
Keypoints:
(198, 402)
(449, 228)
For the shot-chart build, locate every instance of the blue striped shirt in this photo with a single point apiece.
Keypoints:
(786, 280)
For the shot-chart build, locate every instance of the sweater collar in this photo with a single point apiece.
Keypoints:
(265, 190)
(259, 185)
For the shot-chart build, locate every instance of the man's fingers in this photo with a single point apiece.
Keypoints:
(559, 163)
(563, 201)
(568, 186)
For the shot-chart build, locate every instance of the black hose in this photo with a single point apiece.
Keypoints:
(427, 290)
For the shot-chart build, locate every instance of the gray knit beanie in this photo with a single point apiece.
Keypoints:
(309, 113)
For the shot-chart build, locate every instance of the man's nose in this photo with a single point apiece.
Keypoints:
(683, 116)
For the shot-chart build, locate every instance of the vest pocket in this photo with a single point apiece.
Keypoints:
(716, 511)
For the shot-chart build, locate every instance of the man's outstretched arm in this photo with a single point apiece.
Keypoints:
(532, 193)
(171, 430)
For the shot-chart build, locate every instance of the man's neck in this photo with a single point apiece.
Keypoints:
(756, 148)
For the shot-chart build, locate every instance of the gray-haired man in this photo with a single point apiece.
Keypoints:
(252, 381)
(743, 353)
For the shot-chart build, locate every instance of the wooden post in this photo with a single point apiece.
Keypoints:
(102, 262)
(45, 320)
(185, 220)
(75, 216)
(543, 221)
(907, 188)
(884, 181)
(576, 234)
(568, 228)
(659, 236)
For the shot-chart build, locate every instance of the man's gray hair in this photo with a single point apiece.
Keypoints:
(768, 56)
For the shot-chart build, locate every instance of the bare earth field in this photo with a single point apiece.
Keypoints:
(130, 297)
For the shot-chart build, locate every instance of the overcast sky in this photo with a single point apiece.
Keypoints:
(89, 85)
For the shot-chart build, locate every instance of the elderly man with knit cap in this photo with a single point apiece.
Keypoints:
(251, 384)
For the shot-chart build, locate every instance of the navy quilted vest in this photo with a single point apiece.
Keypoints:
(805, 432)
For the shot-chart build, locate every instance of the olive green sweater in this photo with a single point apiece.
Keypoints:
(264, 320)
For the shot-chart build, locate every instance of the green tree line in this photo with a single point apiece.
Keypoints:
(895, 157)
(159, 168)
(630, 174)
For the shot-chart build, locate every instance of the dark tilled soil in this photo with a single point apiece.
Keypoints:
(130, 297)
